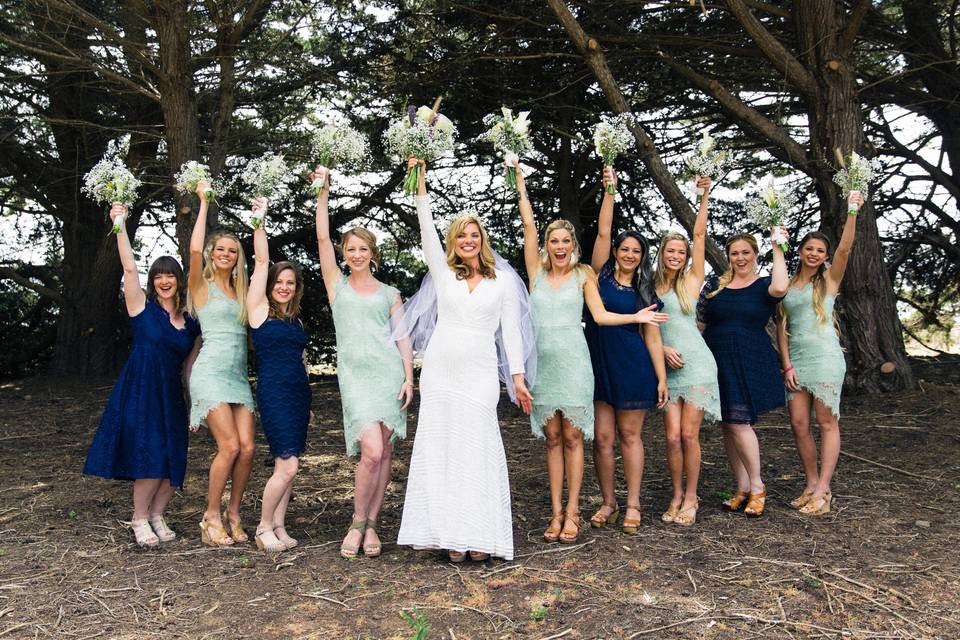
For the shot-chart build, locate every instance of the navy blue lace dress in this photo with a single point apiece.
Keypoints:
(747, 365)
(623, 372)
(143, 430)
(283, 392)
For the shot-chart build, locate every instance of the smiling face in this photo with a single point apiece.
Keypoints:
(743, 258)
(468, 242)
(357, 254)
(673, 256)
(284, 287)
(224, 254)
(813, 253)
(629, 255)
(560, 248)
(165, 285)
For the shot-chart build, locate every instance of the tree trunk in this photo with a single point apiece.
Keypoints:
(868, 316)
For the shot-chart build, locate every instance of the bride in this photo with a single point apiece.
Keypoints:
(458, 492)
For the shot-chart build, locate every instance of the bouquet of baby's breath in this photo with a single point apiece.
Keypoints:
(705, 161)
(855, 176)
(769, 209)
(510, 136)
(110, 181)
(422, 133)
(611, 137)
(191, 174)
(265, 176)
(337, 147)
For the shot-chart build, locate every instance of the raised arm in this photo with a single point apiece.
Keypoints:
(591, 295)
(654, 342)
(328, 255)
(258, 303)
(195, 281)
(697, 266)
(432, 247)
(531, 243)
(838, 266)
(133, 294)
(601, 247)
(779, 279)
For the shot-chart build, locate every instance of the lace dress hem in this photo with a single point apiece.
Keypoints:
(397, 432)
(707, 402)
(577, 416)
(200, 409)
(826, 393)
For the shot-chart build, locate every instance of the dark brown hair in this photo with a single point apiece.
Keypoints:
(167, 265)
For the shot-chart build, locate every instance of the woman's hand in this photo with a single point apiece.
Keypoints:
(650, 315)
(663, 394)
(406, 394)
(609, 177)
(856, 198)
(259, 207)
(524, 399)
(413, 162)
(790, 379)
(673, 358)
(779, 235)
(117, 210)
(202, 188)
(323, 175)
(704, 182)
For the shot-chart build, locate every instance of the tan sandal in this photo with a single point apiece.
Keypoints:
(159, 526)
(236, 528)
(756, 504)
(801, 499)
(479, 556)
(349, 551)
(456, 556)
(687, 517)
(818, 505)
(276, 546)
(735, 503)
(631, 525)
(574, 519)
(214, 535)
(552, 534)
(372, 550)
(599, 520)
(670, 513)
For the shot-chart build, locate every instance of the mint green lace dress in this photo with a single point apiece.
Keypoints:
(219, 375)
(369, 366)
(696, 382)
(815, 351)
(564, 373)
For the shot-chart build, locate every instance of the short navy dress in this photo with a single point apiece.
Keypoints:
(283, 392)
(143, 430)
(748, 368)
(623, 372)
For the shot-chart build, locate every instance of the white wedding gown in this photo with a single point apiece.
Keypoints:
(458, 491)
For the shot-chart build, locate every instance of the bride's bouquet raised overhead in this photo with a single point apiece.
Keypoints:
(191, 174)
(337, 146)
(769, 209)
(707, 161)
(265, 177)
(855, 175)
(611, 137)
(510, 136)
(111, 181)
(423, 133)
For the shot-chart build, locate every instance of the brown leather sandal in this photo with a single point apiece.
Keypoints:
(737, 502)
(670, 513)
(801, 499)
(552, 534)
(631, 525)
(236, 528)
(687, 517)
(599, 520)
(756, 504)
(818, 505)
(574, 519)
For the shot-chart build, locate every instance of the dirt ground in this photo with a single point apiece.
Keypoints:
(883, 565)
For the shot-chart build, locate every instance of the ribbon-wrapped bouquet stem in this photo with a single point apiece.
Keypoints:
(111, 181)
(769, 209)
(510, 136)
(265, 177)
(423, 133)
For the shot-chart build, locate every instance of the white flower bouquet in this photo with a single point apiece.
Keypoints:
(265, 176)
(769, 209)
(855, 176)
(611, 137)
(510, 136)
(110, 181)
(705, 161)
(337, 146)
(422, 133)
(191, 174)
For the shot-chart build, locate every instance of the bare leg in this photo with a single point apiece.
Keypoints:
(799, 406)
(276, 489)
(604, 434)
(371, 537)
(366, 478)
(144, 491)
(733, 458)
(629, 428)
(691, 419)
(243, 419)
(553, 433)
(224, 431)
(829, 447)
(161, 498)
(748, 451)
(671, 423)
(573, 464)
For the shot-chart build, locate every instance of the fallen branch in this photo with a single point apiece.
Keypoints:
(887, 466)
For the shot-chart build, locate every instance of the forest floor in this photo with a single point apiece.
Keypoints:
(884, 564)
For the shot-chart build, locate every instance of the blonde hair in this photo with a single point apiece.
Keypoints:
(662, 278)
(487, 263)
(238, 279)
(546, 264)
(727, 275)
(366, 236)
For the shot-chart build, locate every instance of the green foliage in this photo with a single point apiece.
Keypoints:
(538, 613)
(417, 621)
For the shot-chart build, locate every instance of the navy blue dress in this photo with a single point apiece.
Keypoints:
(748, 368)
(283, 392)
(623, 372)
(143, 429)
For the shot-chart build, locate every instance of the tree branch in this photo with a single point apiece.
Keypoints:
(854, 22)
(22, 280)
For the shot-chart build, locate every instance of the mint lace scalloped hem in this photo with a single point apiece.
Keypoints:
(579, 417)
(705, 398)
(200, 408)
(398, 431)
(827, 393)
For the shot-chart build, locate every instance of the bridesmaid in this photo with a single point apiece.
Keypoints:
(627, 362)
(283, 391)
(813, 364)
(736, 308)
(692, 372)
(563, 392)
(375, 373)
(219, 386)
(142, 434)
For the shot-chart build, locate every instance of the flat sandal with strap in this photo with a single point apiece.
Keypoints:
(631, 525)
(818, 505)
(687, 517)
(738, 500)
(372, 550)
(756, 504)
(600, 520)
(552, 533)
(572, 517)
(349, 551)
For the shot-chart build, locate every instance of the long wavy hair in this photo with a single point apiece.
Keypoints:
(642, 281)
(168, 266)
(238, 279)
(293, 307)
(460, 268)
(727, 275)
(366, 236)
(582, 270)
(818, 281)
(679, 284)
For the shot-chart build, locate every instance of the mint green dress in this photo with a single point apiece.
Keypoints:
(219, 375)
(564, 374)
(815, 351)
(696, 382)
(369, 365)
